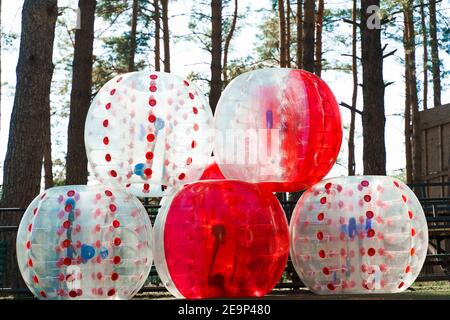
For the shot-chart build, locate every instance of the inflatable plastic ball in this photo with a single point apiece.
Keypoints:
(220, 238)
(84, 242)
(358, 235)
(148, 131)
(279, 127)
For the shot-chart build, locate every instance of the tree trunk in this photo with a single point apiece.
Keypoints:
(319, 23)
(166, 34)
(299, 34)
(288, 33)
(373, 118)
(216, 53)
(408, 144)
(80, 96)
(228, 41)
(134, 17)
(157, 19)
(410, 65)
(48, 164)
(425, 54)
(308, 39)
(351, 136)
(23, 162)
(282, 32)
(435, 67)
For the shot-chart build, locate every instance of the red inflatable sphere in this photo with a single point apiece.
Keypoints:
(220, 238)
(278, 127)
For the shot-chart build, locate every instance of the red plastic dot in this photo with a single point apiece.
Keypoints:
(108, 193)
(30, 263)
(146, 186)
(320, 235)
(186, 83)
(370, 233)
(114, 276)
(369, 214)
(153, 76)
(396, 184)
(113, 173)
(108, 106)
(105, 123)
(412, 251)
(35, 279)
(401, 285)
(30, 226)
(106, 140)
(189, 161)
(150, 137)
(117, 241)
(365, 183)
(320, 216)
(326, 271)
(408, 269)
(116, 260)
(35, 210)
(148, 172)
(70, 193)
(43, 294)
(328, 185)
(196, 127)
(413, 232)
(72, 293)
(322, 254)
(68, 207)
(182, 176)
(153, 88)
(112, 207)
(194, 110)
(330, 286)
(66, 243)
(371, 252)
(323, 200)
(28, 245)
(67, 261)
(111, 292)
(410, 214)
(108, 157)
(151, 118)
(67, 224)
(367, 198)
(112, 92)
(191, 96)
(404, 198)
(193, 144)
(149, 155)
(116, 224)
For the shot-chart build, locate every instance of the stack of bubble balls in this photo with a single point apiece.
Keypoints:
(220, 231)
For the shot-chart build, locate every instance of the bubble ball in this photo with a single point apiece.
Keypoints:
(354, 235)
(279, 127)
(84, 242)
(148, 131)
(219, 239)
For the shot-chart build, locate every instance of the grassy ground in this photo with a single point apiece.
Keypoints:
(419, 291)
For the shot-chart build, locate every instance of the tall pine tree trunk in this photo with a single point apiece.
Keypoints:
(299, 14)
(410, 64)
(133, 34)
(23, 162)
(48, 163)
(373, 118)
(282, 33)
(435, 62)
(157, 19)
(166, 34)
(351, 136)
(319, 27)
(425, 54)
(80, 97)
(216, 53)
(288, 33)
(228, 41)
(309, 22)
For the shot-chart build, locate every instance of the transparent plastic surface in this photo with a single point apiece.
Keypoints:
(147, 132)
(365, 234)
(84, 242)
(220, 238)
(278, 127)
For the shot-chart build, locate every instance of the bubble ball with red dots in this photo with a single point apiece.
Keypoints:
(278, 127)
(147, 132)
(354, 235)
(220, 238)
(84, 242)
